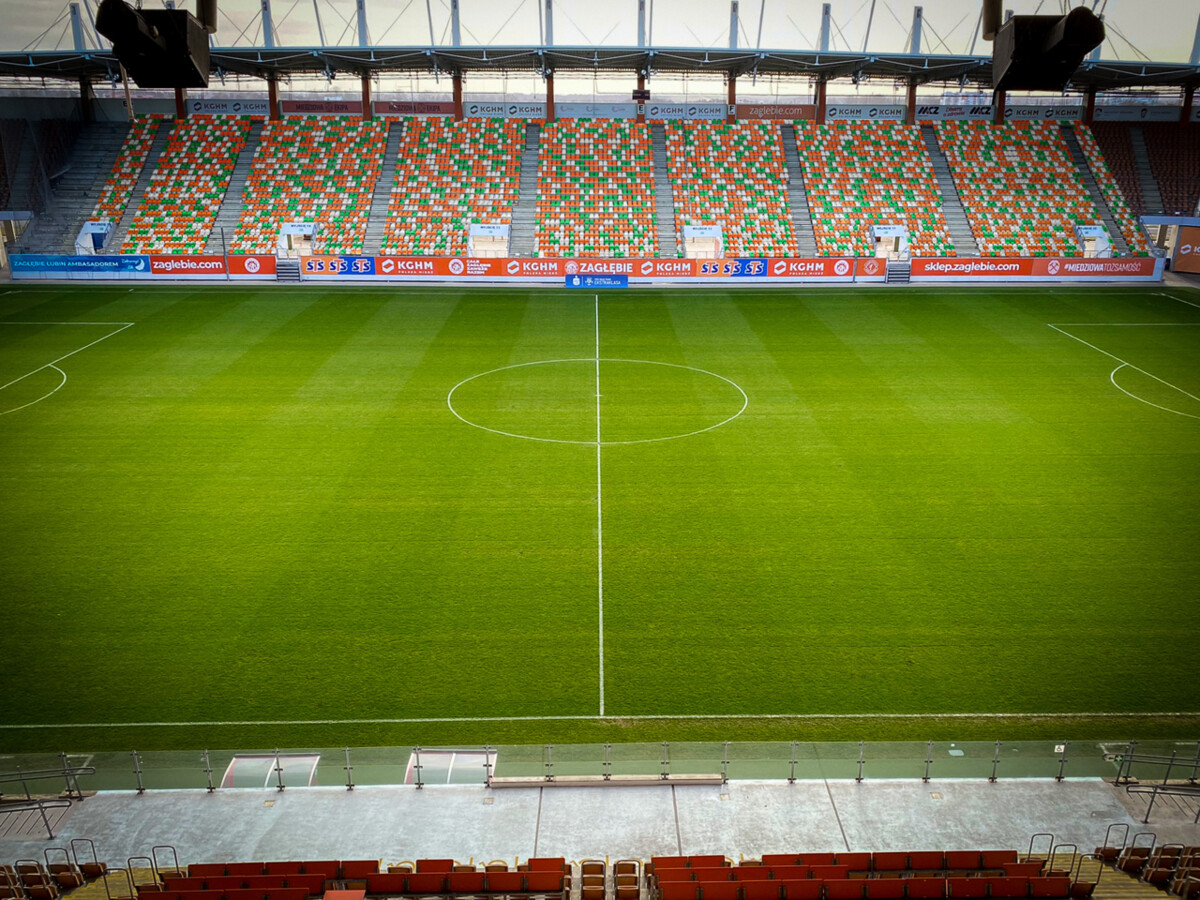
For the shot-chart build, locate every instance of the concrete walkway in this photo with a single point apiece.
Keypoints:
(742, 818)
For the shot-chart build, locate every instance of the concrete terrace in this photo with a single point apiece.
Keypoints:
(470, 822)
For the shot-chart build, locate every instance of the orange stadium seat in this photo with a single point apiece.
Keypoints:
(595, 190)
(735, 176)
(860, 174)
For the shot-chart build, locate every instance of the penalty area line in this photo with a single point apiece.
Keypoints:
(609, 718)
(53, 363)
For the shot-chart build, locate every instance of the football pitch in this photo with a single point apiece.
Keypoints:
(291, 517)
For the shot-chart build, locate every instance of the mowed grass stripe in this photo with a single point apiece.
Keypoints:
(933, 504)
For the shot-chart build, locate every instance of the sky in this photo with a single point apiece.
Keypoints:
(1160, 29)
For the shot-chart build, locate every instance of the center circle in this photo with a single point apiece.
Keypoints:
(555, 400)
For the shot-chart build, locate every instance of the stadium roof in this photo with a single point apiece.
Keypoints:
(283, 62)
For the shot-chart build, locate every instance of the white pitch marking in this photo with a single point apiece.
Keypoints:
(44, 396)
(1112, 376)
(589, 359)
(51, 364)
(689, 716)
(1130, 365)
(1124, 324)
(1180, 299)
(599, 512)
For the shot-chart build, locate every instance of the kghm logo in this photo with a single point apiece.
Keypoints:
(513, 267)
(874, 112)
(512, 110)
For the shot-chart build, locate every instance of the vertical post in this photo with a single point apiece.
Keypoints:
(918, 21)
(417, 767)
(273, 98)
(549, 96)
(366, 97)
(549, 23)
(349, 772)
(731, 111)
(862, 749)
(128, 96)
(455, 27)
(86, 95)
(910, 115)
(870, 19)
(45, 819)
(456, 85)
(792, 766)
(62, 758)
(207, 761)
(85, 86)
(823, 46)
(76, 27)
(641, 26)
(487, 766)
(1062, 761)
(24, 784)
(1194, 59)
(364, 38)
(180, 103)
(1089, 107)
(725, 764)
(607, 763)
(821, 93)
(1195, 764)
(268, 25)
(1150, 805)
(995, 763)
(928, 761)
(999, 103)
(549, 762)
(1124, 779)
(665, 772)
(321, 25)
(137, 771)
(1189, 98)
(1170, 766)
(733, 24)
(641, 104)
(278, 771)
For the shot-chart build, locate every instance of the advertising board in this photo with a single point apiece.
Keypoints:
(1187, 250)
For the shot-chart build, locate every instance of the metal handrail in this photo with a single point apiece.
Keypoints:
(41, 806)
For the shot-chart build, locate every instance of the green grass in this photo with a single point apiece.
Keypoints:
(256, 505)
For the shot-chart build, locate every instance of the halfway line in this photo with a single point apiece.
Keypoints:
(599, 513)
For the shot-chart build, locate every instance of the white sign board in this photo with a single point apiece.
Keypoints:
(480, 110)
(595, 110)
(948, 113)
(709, 111)
(888, 113)
(702, 231)
(201, 107)
(1044, 113)
(1138, 113)
(482, 230)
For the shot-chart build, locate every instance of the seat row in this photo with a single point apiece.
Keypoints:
(1171, 867)
(331, 870)
(855, 861)
(543, 883)
(1009, 887)
(313, 883)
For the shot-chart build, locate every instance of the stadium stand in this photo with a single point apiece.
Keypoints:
(1174, 150)
(12, 138)
(735, 176)
(595, 190)
(1019, 187)
(118, 188)
(1113, 140)
(310, 169)
(870, 173)
(1124, 216)
(186, 189)
(449, 175)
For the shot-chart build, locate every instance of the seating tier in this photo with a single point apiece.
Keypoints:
(860, 174)
(1110, 189)
(595, 190)
(187, 186)
(1019, 187)
(450, 175)
(735, 176)
(309, 169)
(122, 179)
(1174, 150)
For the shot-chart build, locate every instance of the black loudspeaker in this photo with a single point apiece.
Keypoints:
(991, 18)
(160, 48)
(1041, 53)
(206, 15)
